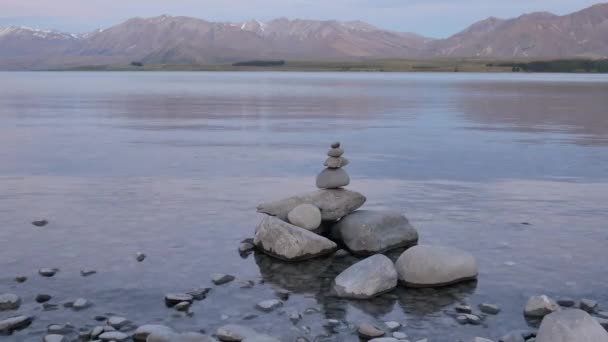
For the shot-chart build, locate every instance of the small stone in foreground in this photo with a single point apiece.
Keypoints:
(473, 319)
(183, 306)
(392, 325)
(588, 305)
(117, 322)
(369, 331)
(566, 302)
(40, 223)
(200, 293)
(7, 326)
(80, 304)
(139, 256)
(43, 298)
(540, 306)
(173, 299)
(9, 301)
(268, 305)
(21, 279)
(571, 325)
(463, 309)
(142, 333)
(489, 309)
(221, 279)
(48, 272)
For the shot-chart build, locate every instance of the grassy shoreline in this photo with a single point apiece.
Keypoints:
(384, 65)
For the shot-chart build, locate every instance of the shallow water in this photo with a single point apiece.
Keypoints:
(174, 164)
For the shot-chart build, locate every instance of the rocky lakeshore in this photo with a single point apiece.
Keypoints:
(326, 244)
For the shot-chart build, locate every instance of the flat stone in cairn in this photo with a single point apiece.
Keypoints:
(334, 177)
(305, 216)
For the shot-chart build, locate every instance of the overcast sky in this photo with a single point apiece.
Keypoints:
(435, 18)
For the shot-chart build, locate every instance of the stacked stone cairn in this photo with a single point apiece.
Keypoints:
(314, 224)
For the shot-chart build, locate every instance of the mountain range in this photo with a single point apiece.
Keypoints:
(173, 40)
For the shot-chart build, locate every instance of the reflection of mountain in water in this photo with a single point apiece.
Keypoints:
(572, 108)
(316, 277)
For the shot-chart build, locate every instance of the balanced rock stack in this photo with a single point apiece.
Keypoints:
(311, 225)
(334, 176)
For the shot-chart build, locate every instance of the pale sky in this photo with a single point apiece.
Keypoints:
(434, 18)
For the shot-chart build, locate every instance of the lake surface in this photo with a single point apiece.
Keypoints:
(174, 164)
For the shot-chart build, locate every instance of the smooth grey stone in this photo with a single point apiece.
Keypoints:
(332, 179)
(54, 338)
(367, 232)
(221, 278)
(463, 309)
(384, 339)
(288, 242)
(245, 247)
(268, 305)
(99, 330)
(200, 293)
(47, 272)
(336, 163)
(341, 253)
(367, 278)
(9, 301)
(489, 309)
(182, 306)
(335, 144)
(113, 336)
(7, 326)
(571, 325)
(40, 223)
(118, 322)
(172, 299)
(234, 333)
(392, 325)
(42, 298)
(540, 306)
(86, 273)
(566, 302)
(335, 152)
(430, 266)
(462, 319)
(481, 339)
(21, 279)
(473, 319)
(184, 337)
(139, 256)
(80, 304)
(333, 203)
(367, 330)
(588, 305)
(305, 216)
(57, 329)
(399, 335)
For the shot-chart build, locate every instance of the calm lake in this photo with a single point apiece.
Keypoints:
(511, 167)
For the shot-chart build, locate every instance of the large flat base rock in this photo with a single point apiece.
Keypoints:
(333, 203)
(434, 266)
(287, 242)
(571, 325)
(367, 232)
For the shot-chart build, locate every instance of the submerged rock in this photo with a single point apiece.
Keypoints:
(221, 278)
(234, 333)
(367, 278)
(367, 232)
(9, 301)
(333, 203)
(571, 325)
(268, 305)
(40, 223)
(489, 309)
(142, 332)
(288, 242)
(305, 216)
(369, 331)
(540, 306)
(113, 336)
(48, 272)
(172, 299)
(431, 266)
(80, 304)
(7, 326)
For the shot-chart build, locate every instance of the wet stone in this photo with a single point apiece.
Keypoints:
(173, 299)
(40, 223)
(221, 278)
(540, 306)
(48, 272)
(183, 306)
(200, 293)
(43, 298)
(392, 325)
(54, 338)
(489, 309)
(588, 305)
(80, 304)
(7, 326)
(118, 322)
(87, 273)
(9, 301)
(268, 305)
(21, 279)
(114, 336)
(247, 284)
(399, 335)
(566, 302)
(463, 309)
(282, 294)
(58, 329)
(369, 331)
(294, 316)
(473, 319)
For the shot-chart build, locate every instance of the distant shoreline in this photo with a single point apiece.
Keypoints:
(387, 65)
